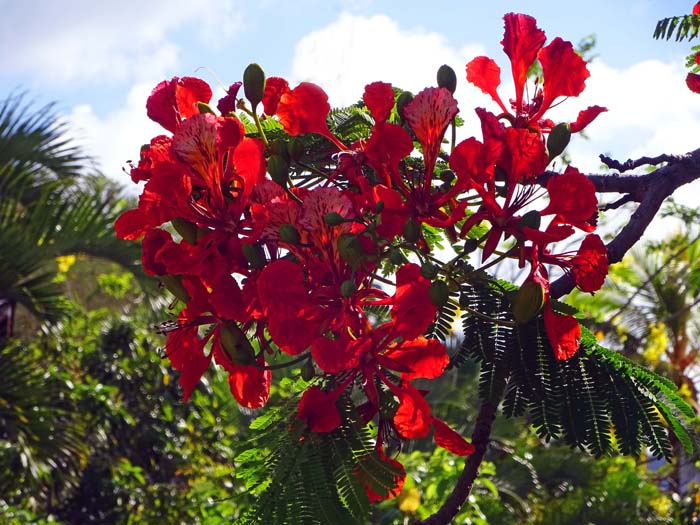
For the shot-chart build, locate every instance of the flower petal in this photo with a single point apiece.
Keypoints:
(428, 115)
(522, 40)
(450, 440)
(563, 332)
(412, 309)
(572, 197)
(250, 385)
(426, 358)
(693, 82)
(376, 487)
(379, 99)
(412, 419)
(485, 74)
(275, 87)
(319, 410)
(185, 350)
(176, 99)
(590, 264)
(563, 70)
(585, 117)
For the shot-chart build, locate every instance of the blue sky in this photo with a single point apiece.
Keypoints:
(99, 60)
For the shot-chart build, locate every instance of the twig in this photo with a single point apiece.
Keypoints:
(650, 190)
(463, 487)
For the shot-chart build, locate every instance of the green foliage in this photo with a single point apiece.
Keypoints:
(311, 478)
(597, 400)
(685, 27)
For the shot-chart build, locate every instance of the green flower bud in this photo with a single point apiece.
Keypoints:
(350, 249)
(429, 271)
(254, 84)
(447, 175)
(347, 288)
(531, 219)
(308, 371)
(174, 285)
(279, 147)
(447, 78)
(439, 293)
(528, 301)
(187, 230)
(278, 168)
(236, 344)
(396, 257)
(404, 98)
(558, 139)
(255, 255)
(334, 218)
(411, 230)
(203, 107)
(295, 148)
(289, 234)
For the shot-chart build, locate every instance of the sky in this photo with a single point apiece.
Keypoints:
(99, 61)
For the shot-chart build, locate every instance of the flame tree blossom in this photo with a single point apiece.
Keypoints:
(282, 250)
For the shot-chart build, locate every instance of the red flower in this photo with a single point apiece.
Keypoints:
(693, 82)
(590, 264)
(171, 101)
(564, 73)
(696, 9)
(304, 110)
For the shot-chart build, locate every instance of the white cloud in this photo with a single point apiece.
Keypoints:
(79, 40)
(117, 138)
(353, 51)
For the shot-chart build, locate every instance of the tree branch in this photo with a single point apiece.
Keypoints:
(480, 439)
(650, 190)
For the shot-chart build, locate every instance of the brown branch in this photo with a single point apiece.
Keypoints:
(650, 190)
(463, 487)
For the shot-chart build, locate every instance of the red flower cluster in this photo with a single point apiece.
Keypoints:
(266, 267)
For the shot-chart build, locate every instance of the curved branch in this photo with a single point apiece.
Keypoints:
(480, 439)
(650, 190)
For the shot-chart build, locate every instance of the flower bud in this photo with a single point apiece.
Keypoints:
(187, 230)
(350, 249)
(404, 99)
(439, 293)
(447, 78)
(429, 271)
(236, 344)
(279, 147)
(295, 148)
(203, 107)
(447, 175)
(411, 230)
(528, 301)
(278, 168)
(308, 371)
(334, 218)
(174, 285)
(347, 288)
(396, 257)
(558, 139)
(254, 84)
(531, 219)
(255, 255)
(289, 234)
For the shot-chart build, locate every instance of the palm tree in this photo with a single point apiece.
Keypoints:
(49, 207)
